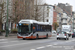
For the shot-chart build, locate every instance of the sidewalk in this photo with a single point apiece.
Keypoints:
(11, 35)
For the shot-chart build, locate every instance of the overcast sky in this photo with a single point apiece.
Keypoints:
(71, 2)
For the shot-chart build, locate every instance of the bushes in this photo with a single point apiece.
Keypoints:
(2, 30)
(14, 30)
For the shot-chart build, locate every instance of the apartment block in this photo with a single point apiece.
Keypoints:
(73, 20)
(66, 7)
(49, 14)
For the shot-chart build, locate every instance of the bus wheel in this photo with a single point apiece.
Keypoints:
(23, 38)
(47, 36)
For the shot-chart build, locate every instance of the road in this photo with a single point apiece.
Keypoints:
(39, 44)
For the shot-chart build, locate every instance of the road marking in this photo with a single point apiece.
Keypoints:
(48, 45)
(41, 47)
(53, 45)
(2, 39)
(33, 49)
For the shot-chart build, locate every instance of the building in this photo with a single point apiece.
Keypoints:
(49, 17)
(54, 15)
(66, 7)
(45, 13)
(62, 14)
(64, 19)
(57, 14)
(73, 21)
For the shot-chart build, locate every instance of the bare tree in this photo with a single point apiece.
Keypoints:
(19, 10)
(1, 12)
(15, 10)
(38, 10)
(29, 9)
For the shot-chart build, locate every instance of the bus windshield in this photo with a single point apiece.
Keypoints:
(24, 28)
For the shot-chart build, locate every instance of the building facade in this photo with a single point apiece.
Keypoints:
(73, 21)
(49, 17)
(66, 7)
(64, 19)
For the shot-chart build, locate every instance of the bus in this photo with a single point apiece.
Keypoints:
(32, 29)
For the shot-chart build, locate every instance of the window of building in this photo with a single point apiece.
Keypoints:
(47, 20)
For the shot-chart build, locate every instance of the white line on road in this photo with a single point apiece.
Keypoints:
(2, 39)
(48, 45)
(33, 49)
(52, 45)
(55, 43)
(40, 47)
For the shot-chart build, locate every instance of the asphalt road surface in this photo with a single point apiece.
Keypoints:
(39, 44)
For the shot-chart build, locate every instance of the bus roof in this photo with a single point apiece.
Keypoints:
(33, 21)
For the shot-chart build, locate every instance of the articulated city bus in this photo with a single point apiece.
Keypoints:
(32, 29)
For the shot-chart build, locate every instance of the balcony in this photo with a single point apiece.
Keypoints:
(63, 17)
(64, 23)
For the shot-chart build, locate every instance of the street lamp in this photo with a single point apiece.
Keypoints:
(73, 22)
(7, 30)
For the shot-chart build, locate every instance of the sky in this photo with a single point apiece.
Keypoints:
(71, 2)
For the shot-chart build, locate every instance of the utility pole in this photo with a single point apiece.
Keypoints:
(73, 22)
(7, 30)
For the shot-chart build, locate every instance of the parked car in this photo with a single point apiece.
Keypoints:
(54, 31)
(73, 34)
(63, 35)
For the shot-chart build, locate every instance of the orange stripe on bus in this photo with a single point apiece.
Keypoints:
(42, 36)
(31, 37)
(19, 37)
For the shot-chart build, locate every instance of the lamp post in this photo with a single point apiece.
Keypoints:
(7, 30)
(73, 22)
